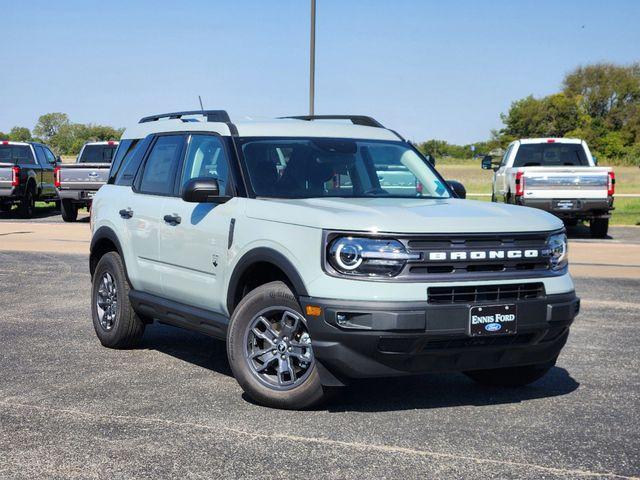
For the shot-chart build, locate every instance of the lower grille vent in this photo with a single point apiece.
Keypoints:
(485, 293)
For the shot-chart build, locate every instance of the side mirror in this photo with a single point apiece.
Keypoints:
(202, 190)
(457, 188)
(595, 159)
(487, 162)
(431, 159)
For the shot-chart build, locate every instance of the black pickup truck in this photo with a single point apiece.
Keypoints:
(26, 176)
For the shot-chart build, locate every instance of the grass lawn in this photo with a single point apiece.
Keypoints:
(476, 180)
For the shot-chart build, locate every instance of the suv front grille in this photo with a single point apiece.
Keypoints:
(485, 293)
(478, 256)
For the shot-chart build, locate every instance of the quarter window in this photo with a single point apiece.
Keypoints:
(160, 169)
(206, 158)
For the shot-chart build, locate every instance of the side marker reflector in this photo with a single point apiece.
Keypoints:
(313, 311)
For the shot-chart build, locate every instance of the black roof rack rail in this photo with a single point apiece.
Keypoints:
(211, 115)
(355, 119)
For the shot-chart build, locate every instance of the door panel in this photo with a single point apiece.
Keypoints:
(48, 187)
(142, 230)
(194, 251)
(152, 188)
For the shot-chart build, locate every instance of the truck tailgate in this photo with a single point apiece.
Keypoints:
(565, 182)
(83, 176)
(6, 175)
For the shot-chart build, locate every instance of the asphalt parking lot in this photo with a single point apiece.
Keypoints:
(70, 408)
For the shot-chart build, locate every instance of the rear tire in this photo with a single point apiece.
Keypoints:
(116, 323)
(27, 205)
(279, 380)
(599, 227)
(69, 211)
(510, 376)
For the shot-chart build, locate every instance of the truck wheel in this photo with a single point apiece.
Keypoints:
(69, 211)
(599, 227)
(511, 376)
(27, 204)
(270, 352)
(114, 320)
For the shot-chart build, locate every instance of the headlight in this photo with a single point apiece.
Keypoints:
(558, 257)
(368, 257)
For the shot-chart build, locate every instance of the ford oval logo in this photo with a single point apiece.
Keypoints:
(492, 327)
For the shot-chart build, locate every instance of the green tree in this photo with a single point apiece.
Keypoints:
(607, 91)
(50, 124)
(20, 134)
(551, 116)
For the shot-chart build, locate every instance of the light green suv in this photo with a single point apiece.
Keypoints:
(321, 249)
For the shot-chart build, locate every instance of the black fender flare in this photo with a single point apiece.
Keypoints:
(269, 255)
(101, 234)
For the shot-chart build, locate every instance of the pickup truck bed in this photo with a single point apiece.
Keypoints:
(80, 181)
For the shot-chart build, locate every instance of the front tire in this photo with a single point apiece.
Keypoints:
(269, 349)
(599, 227)
(510, 376)
(69, 211)
(116, 323)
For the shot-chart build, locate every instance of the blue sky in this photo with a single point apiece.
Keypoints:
(429, 69)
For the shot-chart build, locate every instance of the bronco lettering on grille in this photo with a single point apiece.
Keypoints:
(482, 254)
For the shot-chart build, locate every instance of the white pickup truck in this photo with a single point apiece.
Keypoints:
(78, 183)
(558, 175)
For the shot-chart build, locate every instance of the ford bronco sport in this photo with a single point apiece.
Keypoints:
(321, 250)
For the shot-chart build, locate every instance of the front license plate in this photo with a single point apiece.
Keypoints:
(488, 320)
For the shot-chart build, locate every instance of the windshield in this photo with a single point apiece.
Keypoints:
(551, 155)
(335, 167)
(97, 153)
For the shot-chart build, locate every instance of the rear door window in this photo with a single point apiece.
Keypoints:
(161, 166)
(551, 155)
(42, 159)
(51, 158)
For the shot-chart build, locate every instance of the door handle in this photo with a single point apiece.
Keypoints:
(126, 213)
(172, 219)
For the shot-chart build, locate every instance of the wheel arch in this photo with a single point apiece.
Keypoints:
(257, 267)
(103, 241)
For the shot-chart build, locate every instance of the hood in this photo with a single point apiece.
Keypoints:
(395, 215)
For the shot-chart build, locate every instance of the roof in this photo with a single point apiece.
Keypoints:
(105, 142)
(550, 140)
(268, 128)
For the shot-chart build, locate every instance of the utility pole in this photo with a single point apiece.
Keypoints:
(312, 59)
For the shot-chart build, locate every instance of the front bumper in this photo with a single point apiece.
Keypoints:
(382, 339)
(582, 208)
